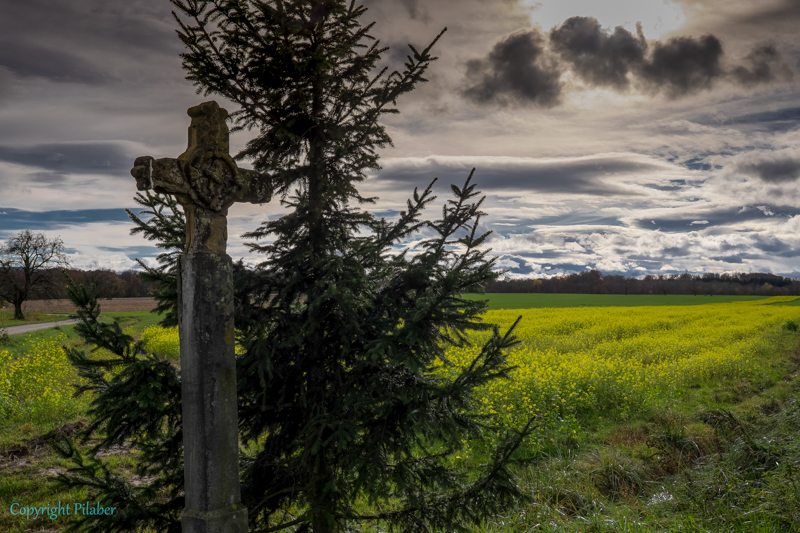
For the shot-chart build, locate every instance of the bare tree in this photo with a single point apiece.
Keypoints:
(694, 287)
(22, 262)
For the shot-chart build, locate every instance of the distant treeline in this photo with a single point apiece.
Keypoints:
(709, 284)
(106, 283)
(130, 284)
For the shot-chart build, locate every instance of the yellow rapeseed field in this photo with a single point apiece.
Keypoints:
(574, 362)
(162, 341)
(570, 363)
(38, 383)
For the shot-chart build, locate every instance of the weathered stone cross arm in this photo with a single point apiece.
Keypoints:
(168, 175)
(204, 179)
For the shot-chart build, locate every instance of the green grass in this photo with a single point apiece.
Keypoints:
(722, 456)
(7, 318)
(15, 343)
(32, 486)
(137, 320)
(793, 302)
(535, 300)
(31, 481)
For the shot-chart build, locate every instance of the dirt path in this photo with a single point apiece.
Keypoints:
(27, 328)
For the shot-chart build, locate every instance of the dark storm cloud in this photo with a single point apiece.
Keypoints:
(683, 65)
(678, 66)
(771, 167)
(781, 170)
(764, 65)
(527, 67)
(599, 58)
(29, 60)
(516, 70)
(592, 175)
(71, 158)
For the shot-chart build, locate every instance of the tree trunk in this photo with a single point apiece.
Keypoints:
(321, 522)
(323, 510)
(18, 311)
(323, 519)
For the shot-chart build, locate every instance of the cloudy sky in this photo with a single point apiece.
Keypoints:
(630, 136)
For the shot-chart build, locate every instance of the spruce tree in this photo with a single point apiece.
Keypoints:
(346, 418)
(162, 220)
(136, 396)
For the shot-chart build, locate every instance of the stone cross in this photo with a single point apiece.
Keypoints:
(206, 182)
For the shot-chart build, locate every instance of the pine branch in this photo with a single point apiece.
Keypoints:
(136, 403)
(166, 226)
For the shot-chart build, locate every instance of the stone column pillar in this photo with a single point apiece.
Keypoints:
(208, 386)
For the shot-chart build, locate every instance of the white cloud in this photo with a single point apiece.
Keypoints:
(506, 262)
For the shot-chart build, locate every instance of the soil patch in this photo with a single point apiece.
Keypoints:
(36, 446)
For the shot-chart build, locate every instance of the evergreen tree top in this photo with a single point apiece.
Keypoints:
(300, 72)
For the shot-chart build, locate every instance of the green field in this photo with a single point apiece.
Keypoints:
(793, 302)
(654, 420)
(534, 300)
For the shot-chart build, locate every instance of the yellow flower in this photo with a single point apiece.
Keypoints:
(585, 360)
